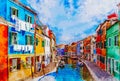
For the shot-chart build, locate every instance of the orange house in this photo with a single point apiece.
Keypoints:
(87, 47)
(3, 52)
(101, 44)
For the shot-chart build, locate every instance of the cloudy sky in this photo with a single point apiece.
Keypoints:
(73, 20)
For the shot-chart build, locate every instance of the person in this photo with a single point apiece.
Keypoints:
(39, 66)
(43, 67)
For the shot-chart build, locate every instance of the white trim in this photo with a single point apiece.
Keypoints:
(115, 66)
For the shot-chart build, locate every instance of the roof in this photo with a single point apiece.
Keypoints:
(25, 4)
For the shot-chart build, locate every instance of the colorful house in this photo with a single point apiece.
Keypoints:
(3, 50)
(98, 43)
(61, 49)
(74, 48)
(47, 45)
(53, 46)
(113, 50)
(21, 39)
(39, 47)
(93, 49)
(78, 48)
(81, 47)
(87, 47)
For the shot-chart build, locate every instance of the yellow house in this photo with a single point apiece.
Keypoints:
(39, 48)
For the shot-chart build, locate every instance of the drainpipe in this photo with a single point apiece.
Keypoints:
(34, 48)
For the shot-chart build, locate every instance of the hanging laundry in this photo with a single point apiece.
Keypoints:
(31, 48)
(22, 25)
(17, 25)
(14, 47)
(19, 47)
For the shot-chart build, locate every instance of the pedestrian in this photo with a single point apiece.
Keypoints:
(43, 67)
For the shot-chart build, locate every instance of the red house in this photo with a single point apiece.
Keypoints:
(3, 52)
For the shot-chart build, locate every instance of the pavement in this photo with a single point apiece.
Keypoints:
(50, 67)
(97, 73)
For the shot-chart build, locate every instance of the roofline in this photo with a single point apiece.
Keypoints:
(113, 24)
(24, 6)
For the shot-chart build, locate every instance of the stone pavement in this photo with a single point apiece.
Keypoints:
(51, 66)
(97, 73)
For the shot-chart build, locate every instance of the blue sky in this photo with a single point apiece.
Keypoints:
(73, 20)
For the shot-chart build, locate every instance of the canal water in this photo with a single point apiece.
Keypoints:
(69, 73)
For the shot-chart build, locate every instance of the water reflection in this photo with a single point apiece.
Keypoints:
(71, 72)
(86, 74)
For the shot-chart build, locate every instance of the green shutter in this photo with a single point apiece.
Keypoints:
(17, 13)
(36, 41)
(31, 40)
(43, 43)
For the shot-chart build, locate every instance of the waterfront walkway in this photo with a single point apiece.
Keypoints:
(50, 67)
(97, 73)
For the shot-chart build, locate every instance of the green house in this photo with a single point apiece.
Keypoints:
(113, 50)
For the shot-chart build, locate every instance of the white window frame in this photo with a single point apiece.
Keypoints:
(14, 64)
(16, 11)
(28, 18)
(109, 42)
(115, 66)
(12, 41)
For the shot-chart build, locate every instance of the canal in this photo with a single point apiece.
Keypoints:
(69, 73)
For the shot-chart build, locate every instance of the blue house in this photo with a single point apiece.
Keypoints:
(78, 48)
(20, 36)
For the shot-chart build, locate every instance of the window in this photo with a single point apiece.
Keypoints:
(28, 39)
(14, 11)
(28, 18)
(102, 59)
(116, 40)
(104, 44)
(43, 43)
(14, 64)
(28, 62)
(13, 38)
(109, 42)
(117, 66)
(37, 41)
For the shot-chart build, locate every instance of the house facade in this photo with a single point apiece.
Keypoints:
(87, 47)
(4, 50)
(20, 38)
(47, 45)
(78, 48)
(39, 47)
(113, 50)
(93, 49)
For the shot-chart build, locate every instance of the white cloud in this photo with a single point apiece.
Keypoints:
(88, 14)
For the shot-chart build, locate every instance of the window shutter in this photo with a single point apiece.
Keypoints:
(17, 13)
(10, 38)
(36, 41)
(32, 59)
(10, 61)
(18, 63)
(26, 40)
(31, 40)
(43, 43)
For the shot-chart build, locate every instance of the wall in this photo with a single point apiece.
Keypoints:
(3, 52)
(113, 51)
